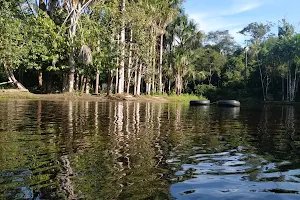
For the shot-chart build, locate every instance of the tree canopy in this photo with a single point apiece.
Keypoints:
(142, 46)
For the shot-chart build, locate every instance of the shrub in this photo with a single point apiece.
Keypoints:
(209, 91)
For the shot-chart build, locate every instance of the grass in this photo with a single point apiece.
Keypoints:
(173, 98)
(18, 96)
(184, 98)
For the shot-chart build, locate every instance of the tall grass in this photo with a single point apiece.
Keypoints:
(184, 98)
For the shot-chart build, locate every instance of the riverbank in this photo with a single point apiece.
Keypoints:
(17, 94)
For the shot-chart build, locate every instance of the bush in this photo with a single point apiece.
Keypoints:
(209, 91)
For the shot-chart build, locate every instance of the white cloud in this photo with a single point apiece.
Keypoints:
(217, 17)
(240, 6)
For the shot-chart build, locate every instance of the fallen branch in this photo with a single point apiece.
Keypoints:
(6, 83)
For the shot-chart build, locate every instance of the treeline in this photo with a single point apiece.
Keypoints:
(141, 46)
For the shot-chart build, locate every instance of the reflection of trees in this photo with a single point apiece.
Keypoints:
(66, 185)
(276, 135)
(123, 161)
(26, 158)
(118, 150)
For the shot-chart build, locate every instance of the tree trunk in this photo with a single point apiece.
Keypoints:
(135, 82)
(97, 82)
(71, 80)
(282, 81)
(12, 79)
(122, 61)
(262, 83)
(129, 63)
(294, 85)
(287, 86)
(76, 88)
(154, 68)
(71, 57)
(87, 86)
(65, 82)
(74, 9)
(169, 87)
(40, 79)
(161, 63)
(267, 87)
(178, 84)
(83, 84)
(138, 89)
(117, 81)
(210, 75)
(109, 83)
(148, 88)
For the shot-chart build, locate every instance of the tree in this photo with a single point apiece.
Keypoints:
(221, 41)
(258, 33)
(11, 42)
(183, 39)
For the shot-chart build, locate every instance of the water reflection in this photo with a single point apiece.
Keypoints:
(133, 150)
(229, 112)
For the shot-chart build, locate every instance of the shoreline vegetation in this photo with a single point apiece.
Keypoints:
(25, 95)
(142, 48)
(156, 98)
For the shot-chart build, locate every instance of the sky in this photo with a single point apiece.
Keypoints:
(234, 15)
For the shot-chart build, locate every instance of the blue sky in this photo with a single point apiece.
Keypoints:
(234, 15)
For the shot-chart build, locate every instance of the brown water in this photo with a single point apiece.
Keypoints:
(127, 150)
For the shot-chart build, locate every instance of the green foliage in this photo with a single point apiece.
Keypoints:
(184, 98)
(11, 38)
(47, 46)
(48, 39)
(208, 91)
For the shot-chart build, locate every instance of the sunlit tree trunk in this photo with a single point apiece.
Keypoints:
(136, 76)
(161, 63)
(122, 59)
(138, 89)
(74, 8)
(154, 67)
(148, 88)
(129, 63)
(87, 86)
(72, 34)
(262, 83)
(169, 86)
(117, 81)
(135, 81)
(97, 83)
(40, 80)
(178, 84)
(12, 79)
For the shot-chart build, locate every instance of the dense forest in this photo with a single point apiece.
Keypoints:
(141, 47)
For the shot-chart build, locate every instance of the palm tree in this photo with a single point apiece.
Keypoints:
(168, 12)
(183, 39)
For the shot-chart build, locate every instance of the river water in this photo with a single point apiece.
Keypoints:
(132, 150)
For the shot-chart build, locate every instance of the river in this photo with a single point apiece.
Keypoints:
(134, 150)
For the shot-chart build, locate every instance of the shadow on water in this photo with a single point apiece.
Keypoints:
(132, 150)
